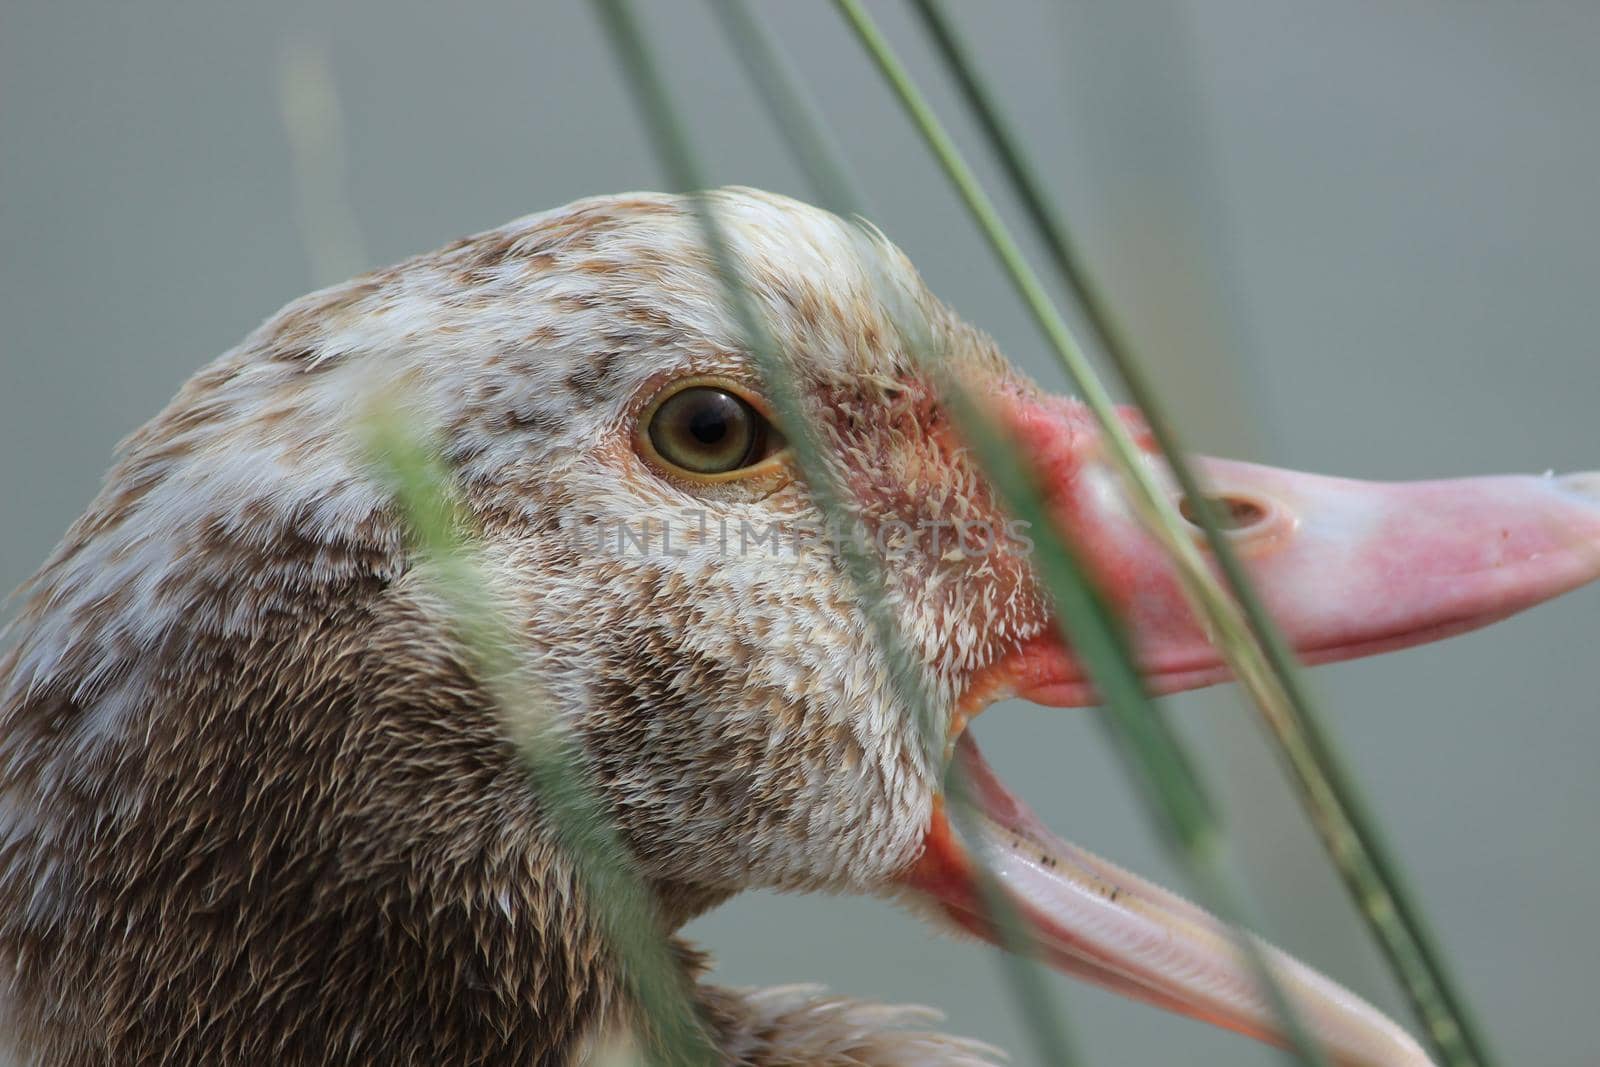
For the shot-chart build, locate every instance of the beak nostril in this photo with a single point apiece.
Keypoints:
(1232, 514)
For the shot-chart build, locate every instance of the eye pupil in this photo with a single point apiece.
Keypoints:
(706, 430)
(708, 426)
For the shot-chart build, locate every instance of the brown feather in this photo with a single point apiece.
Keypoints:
(255, 807)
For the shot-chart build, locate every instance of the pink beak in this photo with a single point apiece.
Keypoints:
(1347, 569)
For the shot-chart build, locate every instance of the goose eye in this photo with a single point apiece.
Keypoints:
(706, 430)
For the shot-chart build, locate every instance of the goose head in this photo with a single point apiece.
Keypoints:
(256, 802)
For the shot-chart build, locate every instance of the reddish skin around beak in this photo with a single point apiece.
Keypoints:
(1347, 569)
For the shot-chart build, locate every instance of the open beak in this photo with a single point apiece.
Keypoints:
(1347, 569)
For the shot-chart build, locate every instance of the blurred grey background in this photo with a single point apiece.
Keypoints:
(1355, 237)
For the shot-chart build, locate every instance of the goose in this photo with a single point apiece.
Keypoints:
(256, 806)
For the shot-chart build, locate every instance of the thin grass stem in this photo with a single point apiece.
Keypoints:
(673, 148)
(1348, 829)
(806, 131)
(1158, 512)
(620, 901)
(831, 180)
(1075, 596)
(313, 124)
(1150, 748)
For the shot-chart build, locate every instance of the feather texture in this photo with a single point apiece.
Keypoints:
(256, 807)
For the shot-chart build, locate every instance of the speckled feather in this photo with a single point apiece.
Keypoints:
(256, 807)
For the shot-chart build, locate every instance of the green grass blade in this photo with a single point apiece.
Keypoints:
(806, 132)
(621, 902)
(313, 125)
(1150, 748)
(445, 550)
(672, 146)
(817, 154)
(1351, 834)
(1190, 821)
(1158, 512)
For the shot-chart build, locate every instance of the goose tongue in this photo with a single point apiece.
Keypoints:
(1091, 919)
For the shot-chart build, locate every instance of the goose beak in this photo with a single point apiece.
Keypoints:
(1347, 569)
(1090, 919)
